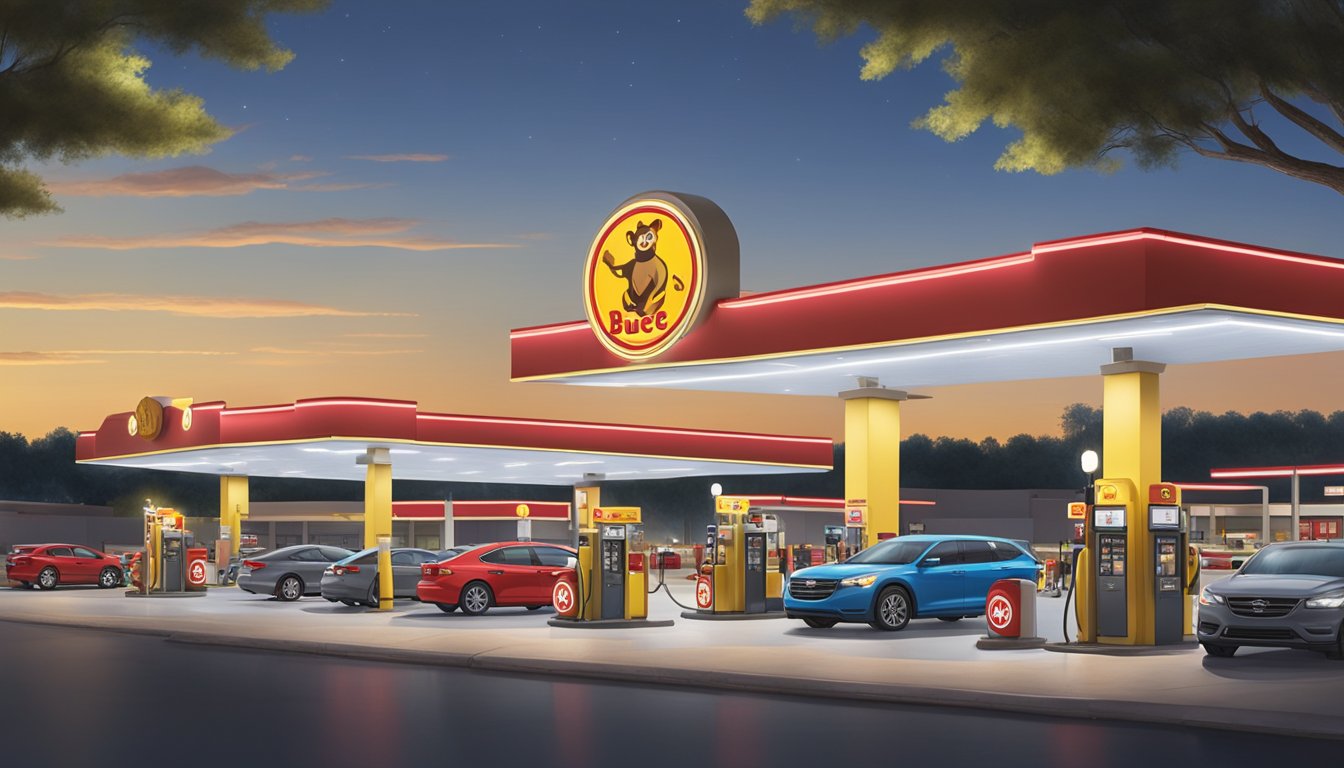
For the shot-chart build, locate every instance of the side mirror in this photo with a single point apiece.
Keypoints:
(929, 562)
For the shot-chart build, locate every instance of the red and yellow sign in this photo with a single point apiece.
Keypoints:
(1077, 510)
(644, 281)
(616, 515)
(1164, 493)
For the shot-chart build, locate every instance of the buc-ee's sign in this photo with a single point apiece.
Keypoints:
(656, 267)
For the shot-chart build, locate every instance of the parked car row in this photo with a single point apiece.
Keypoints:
(474, 578)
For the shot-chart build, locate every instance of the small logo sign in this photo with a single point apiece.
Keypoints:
(562, 597)
(810, 583)
(522, 510)
(1000, 613)
(1077, 510)
(196, 573)
(704, 593)
(1259, 606)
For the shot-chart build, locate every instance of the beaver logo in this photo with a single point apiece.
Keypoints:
(645, 273)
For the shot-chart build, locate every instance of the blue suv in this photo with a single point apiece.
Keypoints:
(893, 581)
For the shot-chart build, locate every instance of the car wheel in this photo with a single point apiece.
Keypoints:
(819, 623)
(290, 588)
(109, 578)
(350, 603)
(48, 578)
(535, 607)
(949, 619)
(446, 607)
(475, 598)
(1220, 651)
(891, 612)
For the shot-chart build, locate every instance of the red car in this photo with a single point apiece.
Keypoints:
(47, 565)
(507, 573)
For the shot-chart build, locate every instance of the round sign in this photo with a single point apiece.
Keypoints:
(186, 419)
(562, 597)
(704, 593)
(521, 510)
(1000, 612)
(148, 418)
(644, 281)
(196, 572)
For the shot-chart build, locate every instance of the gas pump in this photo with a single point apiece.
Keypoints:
(164, 565)
(611, 574)
(743, 566)
(834, 536)
(1167, 528)
(1132, 581)
(1109, 541)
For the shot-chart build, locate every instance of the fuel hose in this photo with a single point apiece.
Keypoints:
(662, 584)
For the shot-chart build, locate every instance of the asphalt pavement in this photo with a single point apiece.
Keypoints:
(931, 662)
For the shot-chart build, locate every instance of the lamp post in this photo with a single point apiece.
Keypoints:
(1089, 462)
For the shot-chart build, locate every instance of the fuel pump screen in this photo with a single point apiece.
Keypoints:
(1164, 517)
(1108, 517)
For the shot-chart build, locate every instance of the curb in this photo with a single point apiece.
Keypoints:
(1303, 725)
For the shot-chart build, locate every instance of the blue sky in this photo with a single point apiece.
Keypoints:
(549, 114)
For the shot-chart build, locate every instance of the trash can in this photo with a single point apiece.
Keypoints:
(198, 561)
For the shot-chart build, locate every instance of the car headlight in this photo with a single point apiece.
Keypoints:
(1209, 598)
(1332, 600)
(865, 580)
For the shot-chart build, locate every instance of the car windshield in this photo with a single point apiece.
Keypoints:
(891, 552)
(1300, 561)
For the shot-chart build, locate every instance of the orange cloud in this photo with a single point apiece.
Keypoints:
(195, 306)
(88, 356)
(401, 158)
(347, 352)
(191, 181)
(42, 358)
(333, 232)
(384, 335)
(16, 257)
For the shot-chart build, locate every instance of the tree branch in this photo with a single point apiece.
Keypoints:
(1327, 135)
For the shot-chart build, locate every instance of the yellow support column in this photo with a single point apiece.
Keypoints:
(873, 455)
(378, 515)
(233, 500)
(1132, 449)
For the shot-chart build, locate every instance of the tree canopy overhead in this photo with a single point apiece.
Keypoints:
(1082, 79)
(72, 83)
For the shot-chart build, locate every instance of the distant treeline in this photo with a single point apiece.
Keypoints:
(1193, 442)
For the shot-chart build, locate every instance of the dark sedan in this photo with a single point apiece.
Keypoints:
(1288, 595)
(289, 573)
(354, 580)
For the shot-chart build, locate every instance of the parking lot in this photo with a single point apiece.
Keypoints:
(930, 662)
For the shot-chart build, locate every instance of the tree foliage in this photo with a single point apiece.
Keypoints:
(72, 82)
(1082, 79)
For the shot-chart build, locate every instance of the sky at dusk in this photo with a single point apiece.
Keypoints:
(425, 176)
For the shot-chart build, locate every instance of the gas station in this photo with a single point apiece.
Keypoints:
(1121, 305)
(350, 438)
(664, 310)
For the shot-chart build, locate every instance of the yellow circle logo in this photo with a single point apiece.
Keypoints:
(644, 280)
(148, 418)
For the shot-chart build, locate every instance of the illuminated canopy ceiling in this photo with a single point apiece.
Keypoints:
(1056, 310)
(322, 438)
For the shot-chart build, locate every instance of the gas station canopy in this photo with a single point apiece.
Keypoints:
(1056, 310)
(323, 437)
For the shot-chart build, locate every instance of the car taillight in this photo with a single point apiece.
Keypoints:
(341, 570)
(433, 570)
(255, 565)
(21, 560)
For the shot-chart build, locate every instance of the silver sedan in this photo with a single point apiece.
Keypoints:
(354, 580)
(289, 573)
